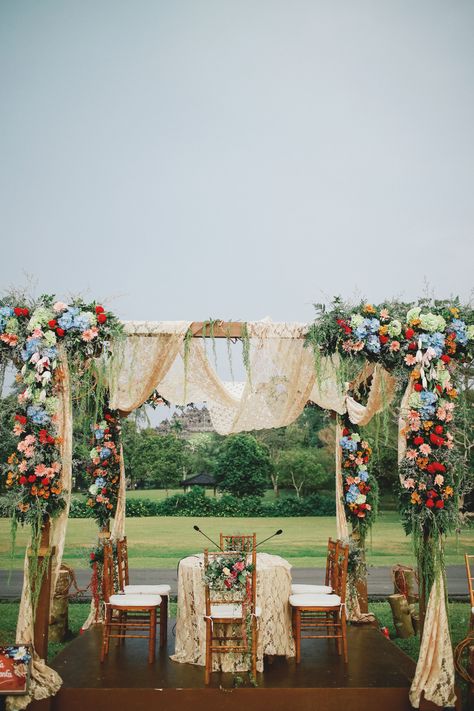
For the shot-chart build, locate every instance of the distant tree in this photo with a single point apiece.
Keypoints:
(302, 469)
(243, 466)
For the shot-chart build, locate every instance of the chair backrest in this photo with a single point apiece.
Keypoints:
(247, 595)
(244, 544)
(342, 563)
(331, 558)
(122, 562)
(108, 572)
(470, 576)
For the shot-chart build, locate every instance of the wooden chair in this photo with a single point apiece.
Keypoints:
(243, 544)
(238, 609)
(125, 612)
(469, 560)
(323, 616)
(328, 587)
(462, 652)
(162, 590)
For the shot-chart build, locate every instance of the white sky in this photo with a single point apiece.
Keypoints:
(237, 159)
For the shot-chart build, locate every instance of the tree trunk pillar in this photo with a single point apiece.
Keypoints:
(361, 584)
(41, 618)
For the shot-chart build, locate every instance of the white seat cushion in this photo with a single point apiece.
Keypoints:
(315, 600)
(231, 611)
(311, 589)
(147, 589)
(135, 600)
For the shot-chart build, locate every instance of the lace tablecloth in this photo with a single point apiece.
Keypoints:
(274, 626)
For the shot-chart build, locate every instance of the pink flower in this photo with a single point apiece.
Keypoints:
(359, 460)
(364, 444)
(23, 466)
(9, 338)
(384, 314)
(409, 483)
(37, 333)
(358, 346)
(240, 565)
(347, 346)
(421, 486)
(425, 449)
(59, 306)
(56, 467)
(350, 480)
(411, 454)
(394, 346)
(40, 469)
(90, 334)
(18, 429)
(410, 359)
(368, 507)
(438, 480)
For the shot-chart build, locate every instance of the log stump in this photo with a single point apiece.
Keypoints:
(401, 613)
(59, 614)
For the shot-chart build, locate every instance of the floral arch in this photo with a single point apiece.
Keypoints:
(351, 360)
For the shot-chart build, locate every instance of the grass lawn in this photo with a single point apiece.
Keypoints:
(458, 616)
(159, 542)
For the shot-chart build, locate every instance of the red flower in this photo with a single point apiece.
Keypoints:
(45, 481)
(432, 494)
(409, 333)
(32, 478)
(92, 556)
(445, 358)
(418, 440)
(60, 332)
(439, 429)
(440, 504)
(436, 440)
(431, 468)
(23, 480)
(345, 432)
(99, 309)
(53, 323)
(17, 311)
(412, 346)
(418, 387)
(439, 388)
(101, 318)
(21, 419)
(429, 503)
(383, 339)
(26, 312)
(439, 467)
(104, 490)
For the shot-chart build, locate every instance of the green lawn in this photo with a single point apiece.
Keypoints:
(159, 542)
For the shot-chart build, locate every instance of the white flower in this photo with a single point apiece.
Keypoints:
(93, 489)
(413, 313)
(361, 499)
(470, 332)
(50, 338)
(226, 571)
(59, 306)
(432, 322)
(394, 328)
(356, 320)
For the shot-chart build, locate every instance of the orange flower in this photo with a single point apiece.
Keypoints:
(427, 425)
(383, 330)
(34, 491)
(454, 311)
(448, 491)
(415, 498)
(422, 462)
(369, 309)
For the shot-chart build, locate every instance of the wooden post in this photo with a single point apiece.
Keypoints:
(361, 584)
(41, 619)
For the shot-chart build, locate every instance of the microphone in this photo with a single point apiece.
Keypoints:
(196, 528)
(277, 533)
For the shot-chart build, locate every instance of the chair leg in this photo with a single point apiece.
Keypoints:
(336, 618)
(254, 647)
(344, 633)
(152, 639)
(105, 635)
(298, 635)
(208, 667)
(163, 621)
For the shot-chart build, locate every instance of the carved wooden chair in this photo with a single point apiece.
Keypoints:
(238, 610)
(329, 582)
(162, 590)
(244, 544)
(316, 616)
(126, 614)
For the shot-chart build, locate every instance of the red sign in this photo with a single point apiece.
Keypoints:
(14, 669)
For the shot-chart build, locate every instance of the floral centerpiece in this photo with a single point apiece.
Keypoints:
(228, 573)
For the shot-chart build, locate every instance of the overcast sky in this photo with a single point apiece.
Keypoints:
(236, 159)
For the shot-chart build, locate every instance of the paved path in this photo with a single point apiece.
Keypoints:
(380, 582)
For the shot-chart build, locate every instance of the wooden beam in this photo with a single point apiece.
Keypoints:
(220, 329)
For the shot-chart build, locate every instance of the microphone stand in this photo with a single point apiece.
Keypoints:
(196, 528)
(278, 533)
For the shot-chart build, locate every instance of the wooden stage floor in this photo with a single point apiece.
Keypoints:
(377, 678)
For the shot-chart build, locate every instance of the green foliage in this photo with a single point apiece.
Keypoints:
(152, 460)
(302, 469)
(243, 466)
(196, 503)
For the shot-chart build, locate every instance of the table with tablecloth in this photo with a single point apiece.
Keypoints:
(274, 625)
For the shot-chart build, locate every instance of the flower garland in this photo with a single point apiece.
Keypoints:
(359, 488)
(228, 573)
(104, 467)
(423, 343)
(31, 337)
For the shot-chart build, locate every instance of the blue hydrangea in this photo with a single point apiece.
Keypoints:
(349, 444)
(50, 353)
(6, 312)
(99, 434)
(428, 397)
(66, 321)
(37, 415)
(460, 329)
(433, 340)
(31, 346)
(100, 481)
(105, 452)
(82, 322)
(363, 475)
(352, 493)
(373, 344)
